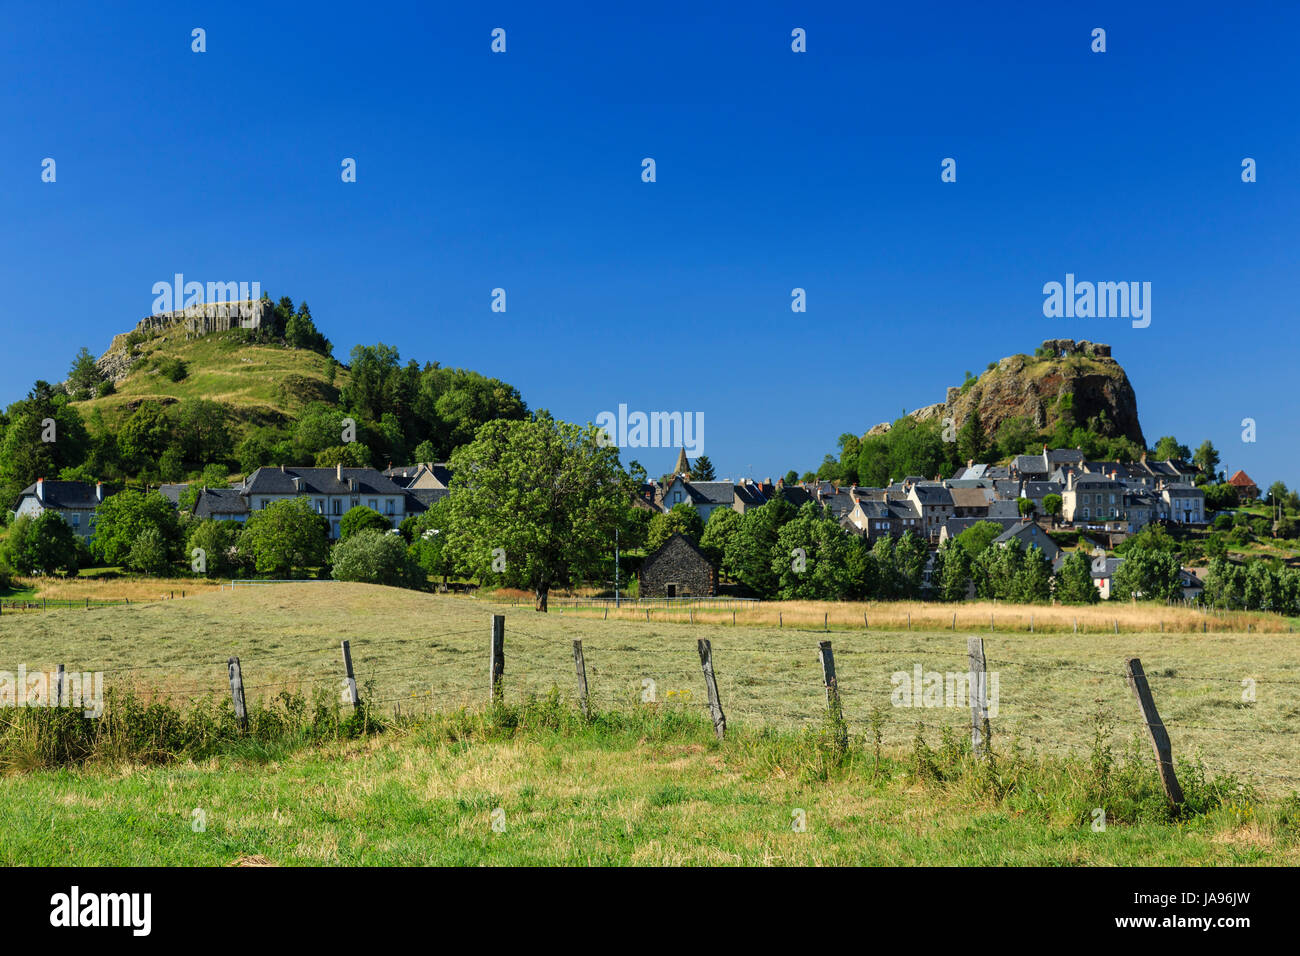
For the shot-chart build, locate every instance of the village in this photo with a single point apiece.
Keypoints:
(1035, 500)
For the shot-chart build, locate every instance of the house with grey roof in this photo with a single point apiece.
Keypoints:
(1103, 574)
(705, 497)
(221, 504)
(1030, 535)
(76, 501)
(331, 491)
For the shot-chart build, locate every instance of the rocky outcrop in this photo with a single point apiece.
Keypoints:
(116, 363)
(1033, 387)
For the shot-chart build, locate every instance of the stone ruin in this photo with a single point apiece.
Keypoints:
(1062, 347)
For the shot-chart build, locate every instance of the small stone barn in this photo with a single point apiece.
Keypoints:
(678, 569)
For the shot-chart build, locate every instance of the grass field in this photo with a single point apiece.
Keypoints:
(422, 652)
(652, 791)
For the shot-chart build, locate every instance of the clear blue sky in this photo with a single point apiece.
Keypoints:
(775, 170)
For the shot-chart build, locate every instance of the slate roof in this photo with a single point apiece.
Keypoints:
(67, 495)
(320, 481)
(932, 495)
(1030, 535)
(1105, 567)
(220, 503)
(1005, 508)
(1040, 489)
(711, 492)
(751, 495)
(1029, 464)
(173, 492)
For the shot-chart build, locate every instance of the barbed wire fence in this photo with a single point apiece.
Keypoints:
(876, 687)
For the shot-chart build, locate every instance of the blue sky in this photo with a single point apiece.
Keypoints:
(775, 170)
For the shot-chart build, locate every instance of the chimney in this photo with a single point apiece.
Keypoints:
(338, 471)
(970, 463)
(99, 491)
(40, 490)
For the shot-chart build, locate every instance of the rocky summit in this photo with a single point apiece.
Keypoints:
(1034, 387)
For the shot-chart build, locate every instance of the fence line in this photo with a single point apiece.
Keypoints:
(721, 687)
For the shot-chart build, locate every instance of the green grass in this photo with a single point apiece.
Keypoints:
(646, 788)
(264, 383)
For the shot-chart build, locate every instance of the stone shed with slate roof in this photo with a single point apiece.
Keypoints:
(678, 569)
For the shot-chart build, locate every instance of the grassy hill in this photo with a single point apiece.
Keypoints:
(262, 384)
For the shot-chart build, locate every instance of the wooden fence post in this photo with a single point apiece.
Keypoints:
(825, 618)
(237, 691)
(58, 687)
(833, 702)
(711, 686)
(1137, 680)
(978, 693)
(1116, 620)
(497, 659)
(1031, 624)
(580, 667)
(351, 677)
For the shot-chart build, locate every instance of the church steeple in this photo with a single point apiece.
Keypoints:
(682, 467)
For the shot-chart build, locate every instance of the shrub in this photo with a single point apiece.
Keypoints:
(362, 518)
(375, 557)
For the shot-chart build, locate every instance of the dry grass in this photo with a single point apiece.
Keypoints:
(135, 589)
(968, 616)
(421, 651)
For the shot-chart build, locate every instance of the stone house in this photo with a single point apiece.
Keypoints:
(1183, 503)
(678, 569)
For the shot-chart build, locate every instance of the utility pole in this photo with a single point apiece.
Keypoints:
(616, 601)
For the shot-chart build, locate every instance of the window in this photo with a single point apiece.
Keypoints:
(320, 506)
(338, 506)
(388, 506)
(76, 520)
(373, 504)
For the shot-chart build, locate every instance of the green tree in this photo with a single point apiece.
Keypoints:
(203, 430)
(84, 374)
(145, 436)
(42, 435)
(1074, 581)
(287, 538)
(547, 493)
(1052, 504)
(910, 554)
(218, 545)
(1206, 458)
(1026, 506)
(375, 557)
(1147, 573)
(702, 469)
(429, 538)
(747, 557)
(976, 539)
(122, 518)
(970, 438)
(149, 552)
(1168, 449)
(723, 524)
(679, 519)
(954, 571)
(810, 560)
(1015, 436)
(362, 518)
(42, 545)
